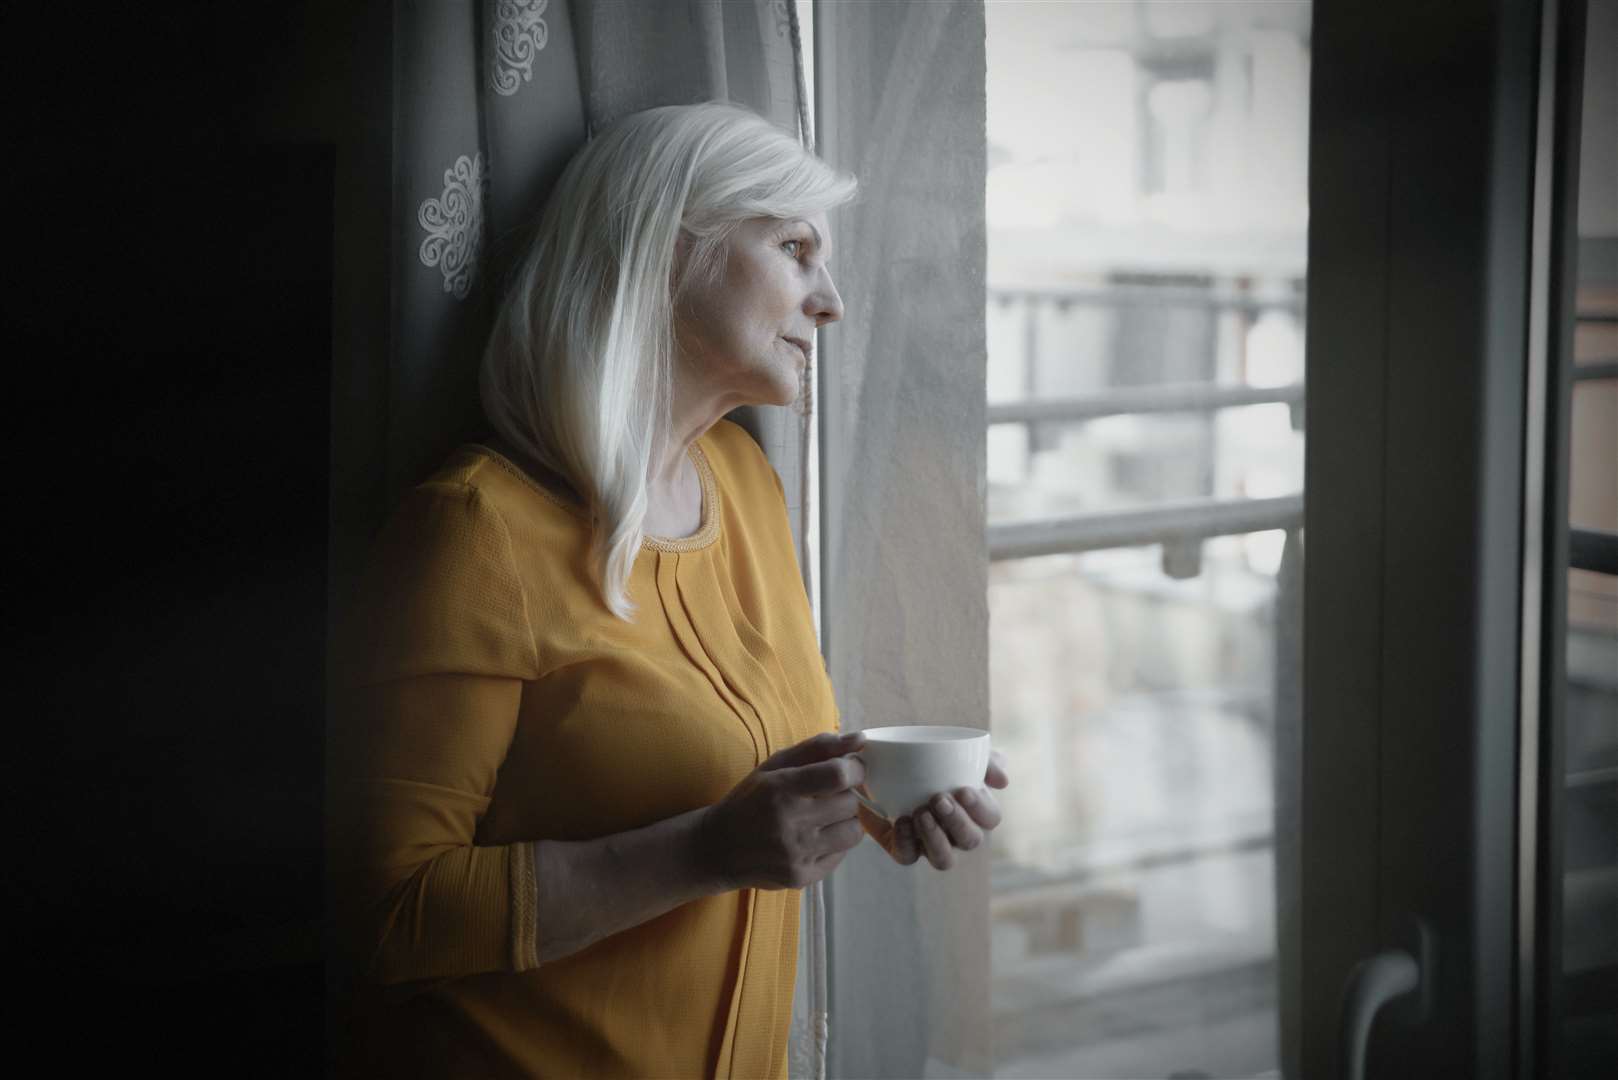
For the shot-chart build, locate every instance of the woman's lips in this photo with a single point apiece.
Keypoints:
(803, 347)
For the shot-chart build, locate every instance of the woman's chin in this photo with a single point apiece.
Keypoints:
(783, 392)
(782, 386)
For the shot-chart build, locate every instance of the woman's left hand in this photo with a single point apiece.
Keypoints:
(951, 821)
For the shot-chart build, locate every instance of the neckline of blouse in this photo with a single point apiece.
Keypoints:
(706, 533)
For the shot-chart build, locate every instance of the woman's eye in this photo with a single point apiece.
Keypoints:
(795, 246)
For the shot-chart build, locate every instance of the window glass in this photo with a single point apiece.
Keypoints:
(1147, 208)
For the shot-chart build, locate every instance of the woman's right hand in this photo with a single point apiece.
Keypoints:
(790, 821)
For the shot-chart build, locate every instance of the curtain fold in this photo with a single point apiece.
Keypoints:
(471, 110)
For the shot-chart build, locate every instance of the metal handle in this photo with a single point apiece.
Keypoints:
(1388, 975)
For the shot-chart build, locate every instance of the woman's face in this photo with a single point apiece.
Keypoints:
(748, 337)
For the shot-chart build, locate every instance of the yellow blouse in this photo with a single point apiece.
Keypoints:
(488, 700)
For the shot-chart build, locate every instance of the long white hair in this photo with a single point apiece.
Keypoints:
(577, 370)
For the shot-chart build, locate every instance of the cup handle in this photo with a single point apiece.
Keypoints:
(860, 796)
(871, 806)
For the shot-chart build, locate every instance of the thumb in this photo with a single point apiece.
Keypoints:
(821, 747)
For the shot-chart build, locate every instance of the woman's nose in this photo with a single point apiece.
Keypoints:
(824, 303)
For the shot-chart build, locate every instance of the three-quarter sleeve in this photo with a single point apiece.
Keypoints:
(430, 667)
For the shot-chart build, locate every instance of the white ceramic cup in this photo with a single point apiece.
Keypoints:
(909, 764)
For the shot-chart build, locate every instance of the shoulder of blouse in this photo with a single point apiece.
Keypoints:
(739, 463)
(506, 483)
(440, 591)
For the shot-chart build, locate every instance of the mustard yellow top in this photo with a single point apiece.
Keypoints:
(488, 699)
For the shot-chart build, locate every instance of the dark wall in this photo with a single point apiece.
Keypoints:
(168, 320)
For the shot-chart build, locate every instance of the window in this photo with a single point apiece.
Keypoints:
(1146, 212)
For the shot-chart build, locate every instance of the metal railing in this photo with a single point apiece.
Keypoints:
(1139, 400)
(1168, 524)
(1179, 527)
(1221, 298)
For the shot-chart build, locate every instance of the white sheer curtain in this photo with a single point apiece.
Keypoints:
(900, 103)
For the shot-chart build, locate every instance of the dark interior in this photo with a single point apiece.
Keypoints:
(173, 285)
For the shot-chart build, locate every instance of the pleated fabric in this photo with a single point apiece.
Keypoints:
(491, 701)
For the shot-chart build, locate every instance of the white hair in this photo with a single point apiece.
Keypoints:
(577, 370)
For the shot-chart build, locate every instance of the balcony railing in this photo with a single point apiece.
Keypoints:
(1179, 528)
(1223, 298)
(1139, 400)
(1169, 525)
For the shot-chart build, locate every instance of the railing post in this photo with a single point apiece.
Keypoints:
(1182, 559)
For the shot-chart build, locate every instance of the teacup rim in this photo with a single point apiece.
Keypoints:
(945, 732)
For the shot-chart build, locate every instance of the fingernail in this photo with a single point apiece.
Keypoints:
(944, 806)
(967, 798)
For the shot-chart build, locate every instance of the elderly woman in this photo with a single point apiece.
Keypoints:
(587, 751)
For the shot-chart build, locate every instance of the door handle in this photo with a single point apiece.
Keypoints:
(1388, 976)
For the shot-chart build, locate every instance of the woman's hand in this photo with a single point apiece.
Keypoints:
(790, 821)
(949, 821)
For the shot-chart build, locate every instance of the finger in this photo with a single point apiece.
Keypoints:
(823, 777)
(840, 836)
(933, 841)
(830, 809)
(981, 806)
(962, 831)
(821, 747)
(996, 776)
(904, 846)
